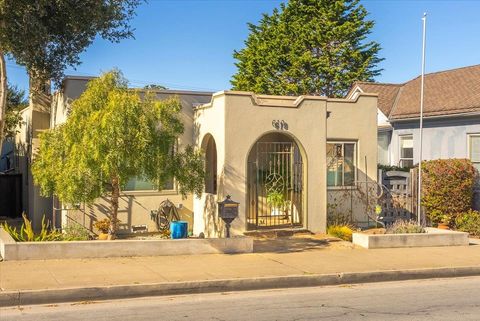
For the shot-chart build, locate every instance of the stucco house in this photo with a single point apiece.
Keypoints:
(282, 158)
(451, 117)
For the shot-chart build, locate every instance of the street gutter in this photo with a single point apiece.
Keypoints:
(50, 296)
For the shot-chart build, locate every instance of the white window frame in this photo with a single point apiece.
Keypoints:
(469, 148)
(388, 135)
(400, 158)
(355, 161)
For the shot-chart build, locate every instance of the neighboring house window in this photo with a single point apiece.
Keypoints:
(474, 149)
(383, 143)
(406, 151)
(341, 164)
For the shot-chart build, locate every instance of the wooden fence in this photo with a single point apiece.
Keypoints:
(399, 195)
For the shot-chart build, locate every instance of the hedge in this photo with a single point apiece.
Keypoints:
(447, 188)
(469, 222)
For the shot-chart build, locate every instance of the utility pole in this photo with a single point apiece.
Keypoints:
(419, 195)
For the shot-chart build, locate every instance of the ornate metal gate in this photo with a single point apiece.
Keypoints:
(275, 186)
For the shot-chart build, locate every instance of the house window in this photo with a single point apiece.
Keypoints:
(139, 184)
(406, 151)
(474, 149)
(341, 164)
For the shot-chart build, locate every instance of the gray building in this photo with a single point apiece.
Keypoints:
(451, 117)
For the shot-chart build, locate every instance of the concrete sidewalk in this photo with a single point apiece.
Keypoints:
(322, 259)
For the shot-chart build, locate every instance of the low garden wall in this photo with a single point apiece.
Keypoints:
(11, 250)
(432, 237)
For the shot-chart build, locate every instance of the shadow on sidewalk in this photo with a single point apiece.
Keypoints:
(289, 244)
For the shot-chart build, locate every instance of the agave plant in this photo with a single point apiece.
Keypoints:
(27, 234)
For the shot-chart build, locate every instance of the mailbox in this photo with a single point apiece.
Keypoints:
(228, 211)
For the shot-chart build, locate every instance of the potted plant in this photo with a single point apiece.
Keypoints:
(102, 226)
(276, 200)
(444, 222)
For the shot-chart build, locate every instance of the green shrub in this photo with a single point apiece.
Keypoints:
(76, 232)
(276, 199)
(447, 188)
(341, 231)
(404, 227)
(469, 222)
(26, 233)
(388, 168)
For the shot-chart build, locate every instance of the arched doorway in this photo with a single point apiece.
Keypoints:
(275, 183)
(210, 149)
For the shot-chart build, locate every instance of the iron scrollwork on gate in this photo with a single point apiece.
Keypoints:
(275, 186)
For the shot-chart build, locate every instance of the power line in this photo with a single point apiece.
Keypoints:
(139, 82)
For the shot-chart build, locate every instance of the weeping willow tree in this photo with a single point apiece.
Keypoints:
(114, 134)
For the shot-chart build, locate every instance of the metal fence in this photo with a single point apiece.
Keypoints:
(275, 186)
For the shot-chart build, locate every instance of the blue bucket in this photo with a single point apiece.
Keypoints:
(178, 230)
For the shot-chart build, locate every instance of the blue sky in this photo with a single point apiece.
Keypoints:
(188, 44)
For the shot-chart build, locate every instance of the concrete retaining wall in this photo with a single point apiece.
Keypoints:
(432, 237)
(11, 250)
(5, 241)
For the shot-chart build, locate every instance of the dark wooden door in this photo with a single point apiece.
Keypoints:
(11, 195)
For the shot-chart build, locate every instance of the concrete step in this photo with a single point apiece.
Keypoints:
(276, 233)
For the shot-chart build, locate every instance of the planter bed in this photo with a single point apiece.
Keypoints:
(432, 237)
(11, 250)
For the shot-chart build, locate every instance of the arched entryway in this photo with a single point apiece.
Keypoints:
(210, 149)
(275, 183)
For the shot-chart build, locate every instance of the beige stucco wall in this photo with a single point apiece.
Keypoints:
(355, 120)
(237, 120)
(248, 120)
(134, 209)
(34, 121)
(211, 121)
(72, 88)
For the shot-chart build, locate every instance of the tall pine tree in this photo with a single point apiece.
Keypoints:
(316, 47)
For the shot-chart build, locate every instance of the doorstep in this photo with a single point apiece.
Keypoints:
(275, 233)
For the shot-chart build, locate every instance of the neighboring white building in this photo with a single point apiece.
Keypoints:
(451, 117)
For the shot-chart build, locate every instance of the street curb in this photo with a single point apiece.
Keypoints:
(49, 296)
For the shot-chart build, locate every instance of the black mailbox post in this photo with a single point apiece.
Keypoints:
(228, 211)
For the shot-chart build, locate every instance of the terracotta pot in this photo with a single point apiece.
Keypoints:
(443, 226)
(103, 236)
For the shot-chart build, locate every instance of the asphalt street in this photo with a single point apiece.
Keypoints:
(440, 299)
